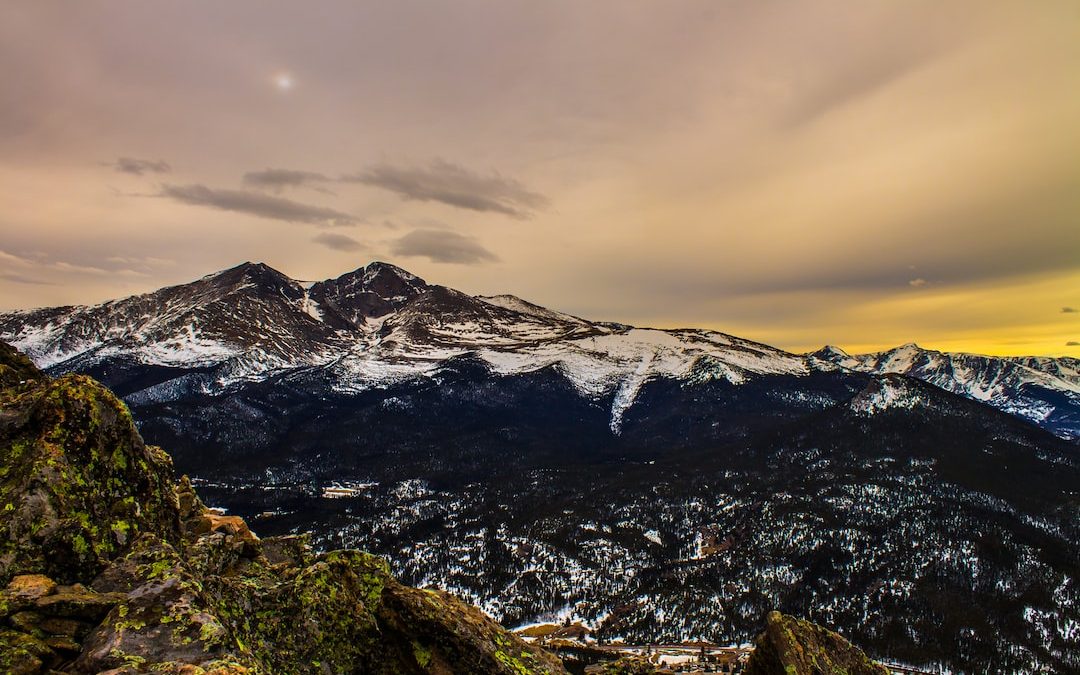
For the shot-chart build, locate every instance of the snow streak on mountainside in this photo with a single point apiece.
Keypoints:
(377, 325)
(1043, 390)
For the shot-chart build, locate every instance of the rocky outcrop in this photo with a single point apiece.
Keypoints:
(15, 368)
(627, 666)
(77, 483)
(111, 566)
(790, 646)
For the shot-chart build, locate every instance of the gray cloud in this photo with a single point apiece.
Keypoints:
(338, 242)
(144, 261)
(456, 186)
(24, 268)
(20, 279)
(139, 167)
(442, 246)
(1072, 343)
(256, 204)
(1069, 310)
(278, 179)
(858, 80)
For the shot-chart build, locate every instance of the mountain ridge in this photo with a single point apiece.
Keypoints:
(376, 324)
(1042, 390)
(380, 324)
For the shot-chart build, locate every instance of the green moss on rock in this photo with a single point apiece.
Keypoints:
(791, 646)
(15, 368)
(629, 665)
(73, 493)
(22, 654)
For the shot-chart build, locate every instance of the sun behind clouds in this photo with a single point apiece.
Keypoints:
(284, 81)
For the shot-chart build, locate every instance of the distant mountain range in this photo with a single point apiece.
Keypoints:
(380, 324)
(1040, 389)
(657, 484)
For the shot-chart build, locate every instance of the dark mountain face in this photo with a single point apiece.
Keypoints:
(368, 293)
(656, 484)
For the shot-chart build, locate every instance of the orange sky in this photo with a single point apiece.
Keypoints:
(860, 174)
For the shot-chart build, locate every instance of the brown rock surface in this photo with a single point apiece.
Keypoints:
(790, 646)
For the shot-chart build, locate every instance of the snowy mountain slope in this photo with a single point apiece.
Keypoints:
(371, 327)
(1043, 390)
(247, 310)
(381, 324)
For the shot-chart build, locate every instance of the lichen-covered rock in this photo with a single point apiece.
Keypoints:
(15, 368)
(628, 665)
(790, 646)
(28, 587)
(77, 483)
(165, 616)
(441, 634)
(23, 654)
(111, 566)
(343, 612)
(44, 622)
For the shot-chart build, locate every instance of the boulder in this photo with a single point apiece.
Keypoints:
(791, 646)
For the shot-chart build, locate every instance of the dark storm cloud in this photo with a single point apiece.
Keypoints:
(278, 179)
(139, 167)
(256, 204)
(338, 242)
(454, 185)
(442, 246)
(1069, 310)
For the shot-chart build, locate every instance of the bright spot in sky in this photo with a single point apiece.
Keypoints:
(283, 81)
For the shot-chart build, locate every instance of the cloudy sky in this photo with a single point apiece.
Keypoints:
(856, 173)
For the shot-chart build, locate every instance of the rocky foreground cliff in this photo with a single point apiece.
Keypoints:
(110, 566)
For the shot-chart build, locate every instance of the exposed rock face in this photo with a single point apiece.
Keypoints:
(77, 483)
(110, 566)
(15, 367)
(790, 646)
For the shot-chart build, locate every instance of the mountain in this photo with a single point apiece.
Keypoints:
(108, 565)
(369, 328)
(1043, 390)
(655, 484)
(381, 324)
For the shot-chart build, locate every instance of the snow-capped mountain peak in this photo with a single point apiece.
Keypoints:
(374, 325)
(380, 324)
(1043, 390)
